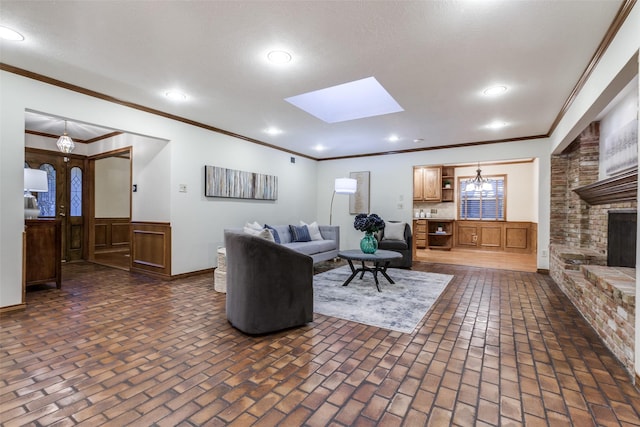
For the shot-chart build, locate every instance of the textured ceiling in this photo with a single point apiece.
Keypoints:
(434, 57)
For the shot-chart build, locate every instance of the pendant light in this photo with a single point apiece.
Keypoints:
(65, 143)
(478, 183)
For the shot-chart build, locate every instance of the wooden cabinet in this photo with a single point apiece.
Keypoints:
(448, 183)
(440, 234)
(43, 252)
(427, 183)
(496, 235)
(420, 233)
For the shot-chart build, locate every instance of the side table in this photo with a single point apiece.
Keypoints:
(220, 275)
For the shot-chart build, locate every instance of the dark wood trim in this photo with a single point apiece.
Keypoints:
(615, 26)
(81, 141)
(14, 307)
(105, 136)
(53, 152)
(193, 273)
(437, 147)
(118, 152)
(618, 21)
(50, 135)
(619, 188)
(108, 98)
(543, 271)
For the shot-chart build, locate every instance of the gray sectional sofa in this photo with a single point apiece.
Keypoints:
(319, 250)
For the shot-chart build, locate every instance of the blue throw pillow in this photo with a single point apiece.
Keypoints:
(276, 236)
(299, 234)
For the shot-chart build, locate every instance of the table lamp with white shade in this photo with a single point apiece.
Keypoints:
(35, 181)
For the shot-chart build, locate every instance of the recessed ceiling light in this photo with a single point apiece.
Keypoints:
(9, 34)
(319, 147)
(495, 90)
(496, 125)
(279, 57)
(175, 95)
(418, 140)
(273, 131)
(394, 138)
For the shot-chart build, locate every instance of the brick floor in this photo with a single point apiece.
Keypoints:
(112, 348)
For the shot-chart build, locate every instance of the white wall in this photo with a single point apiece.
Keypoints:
(112, 176)
(521, 185)
(617, 67)
(151, 172)
(622, 113)
(392, 184)
(197, 222)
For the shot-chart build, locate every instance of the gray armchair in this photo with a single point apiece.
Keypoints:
(269, 286)
(403, 246)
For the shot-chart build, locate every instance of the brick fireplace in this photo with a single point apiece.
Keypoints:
(580, 206)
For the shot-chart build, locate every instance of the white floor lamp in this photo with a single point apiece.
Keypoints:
(342, 186)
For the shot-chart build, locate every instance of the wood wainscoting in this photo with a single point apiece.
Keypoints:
(112, 234)
(151, 248)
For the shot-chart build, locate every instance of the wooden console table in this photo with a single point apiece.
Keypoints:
(43, 252)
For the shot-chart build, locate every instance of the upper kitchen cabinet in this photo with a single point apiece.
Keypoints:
(427, 183)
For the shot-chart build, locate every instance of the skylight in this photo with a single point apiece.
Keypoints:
(348, 101)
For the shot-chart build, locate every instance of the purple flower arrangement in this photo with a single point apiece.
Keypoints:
(368, 223)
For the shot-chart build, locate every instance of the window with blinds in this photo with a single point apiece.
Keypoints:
(486, 203)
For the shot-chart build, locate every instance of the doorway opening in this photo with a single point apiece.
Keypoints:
(110, 208)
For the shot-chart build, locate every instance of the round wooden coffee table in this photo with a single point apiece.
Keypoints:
(380, 260)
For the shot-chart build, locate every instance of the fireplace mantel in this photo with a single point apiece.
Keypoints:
(619, 188)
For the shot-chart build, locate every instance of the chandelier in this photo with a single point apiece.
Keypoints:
(65, 143)
(478, 183)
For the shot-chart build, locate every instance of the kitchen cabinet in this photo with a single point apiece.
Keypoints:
(420, 233)
(508, 236)
(448, 183)
(427, 183)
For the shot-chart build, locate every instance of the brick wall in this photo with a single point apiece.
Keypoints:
(573, 222)
(579, 245)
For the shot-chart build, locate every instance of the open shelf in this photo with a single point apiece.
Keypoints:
(440, 234)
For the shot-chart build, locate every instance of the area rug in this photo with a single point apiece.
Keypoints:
(398, 307)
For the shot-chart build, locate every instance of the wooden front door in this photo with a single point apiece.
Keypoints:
(67, 175)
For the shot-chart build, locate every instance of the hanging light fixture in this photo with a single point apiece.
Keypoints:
(65, 143)
(478, 183)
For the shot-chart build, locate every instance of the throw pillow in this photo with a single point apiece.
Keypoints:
(253, 225)
(314, 230)
(276, 236)
(393, 231)
(264, 233)
(299, 234)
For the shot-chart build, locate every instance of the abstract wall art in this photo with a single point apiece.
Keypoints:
(236, 184)
(359, 201)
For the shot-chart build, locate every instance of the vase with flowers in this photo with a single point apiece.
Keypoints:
(369, 224)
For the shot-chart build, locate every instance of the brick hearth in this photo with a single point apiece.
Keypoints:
(605, 296)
